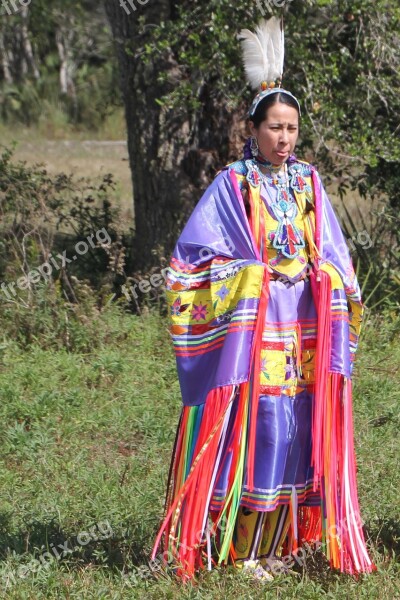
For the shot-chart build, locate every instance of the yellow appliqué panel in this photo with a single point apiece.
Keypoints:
(200, 306)
(183, 305)
(273, 363)
(336, 280)
(247, 283)
(279, 370)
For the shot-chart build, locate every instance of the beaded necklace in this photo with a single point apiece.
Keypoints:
(287, 238)
(277, 178)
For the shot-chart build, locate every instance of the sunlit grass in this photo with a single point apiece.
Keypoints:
(85, 445)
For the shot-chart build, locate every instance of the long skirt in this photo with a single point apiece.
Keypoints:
(282, 470)
(282, 481)
(213, 473)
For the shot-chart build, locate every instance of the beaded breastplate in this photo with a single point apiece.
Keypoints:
(286, 201)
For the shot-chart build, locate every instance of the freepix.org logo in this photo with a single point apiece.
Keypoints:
(269, 5)
(11, 7)
(132, 5)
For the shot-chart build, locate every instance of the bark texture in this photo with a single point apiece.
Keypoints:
(172, 156)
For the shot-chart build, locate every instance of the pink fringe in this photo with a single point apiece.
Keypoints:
(333, 456)
(318, 210)
(184, 528)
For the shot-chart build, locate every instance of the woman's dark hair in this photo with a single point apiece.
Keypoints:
(261, 110)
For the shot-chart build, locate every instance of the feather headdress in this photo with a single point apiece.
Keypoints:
(263, 56)
(263, 53)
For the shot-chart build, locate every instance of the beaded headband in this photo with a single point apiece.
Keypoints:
(267, 92)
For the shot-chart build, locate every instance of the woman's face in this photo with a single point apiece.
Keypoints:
(277, 134)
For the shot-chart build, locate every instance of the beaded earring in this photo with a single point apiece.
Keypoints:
(254, 147)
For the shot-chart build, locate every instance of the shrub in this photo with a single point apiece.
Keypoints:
(62, 253)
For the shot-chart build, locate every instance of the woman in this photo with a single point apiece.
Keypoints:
(265, 316)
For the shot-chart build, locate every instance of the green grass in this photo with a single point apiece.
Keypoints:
(85, 449)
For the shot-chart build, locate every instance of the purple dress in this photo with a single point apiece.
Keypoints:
(283, 434)
(304, 323)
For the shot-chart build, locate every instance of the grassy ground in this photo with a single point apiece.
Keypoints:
(85, 445)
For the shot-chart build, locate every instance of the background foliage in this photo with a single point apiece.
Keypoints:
(342, 61)
(64, 62)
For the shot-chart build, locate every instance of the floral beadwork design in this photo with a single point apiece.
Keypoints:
(177, 308)
(263, 368)
(199, 312)
(222, 292)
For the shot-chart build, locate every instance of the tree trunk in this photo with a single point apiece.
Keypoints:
(172, 157)
(27, 46)
(5, 61)
(67, 65)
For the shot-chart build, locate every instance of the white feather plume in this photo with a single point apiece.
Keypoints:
(263, 52)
